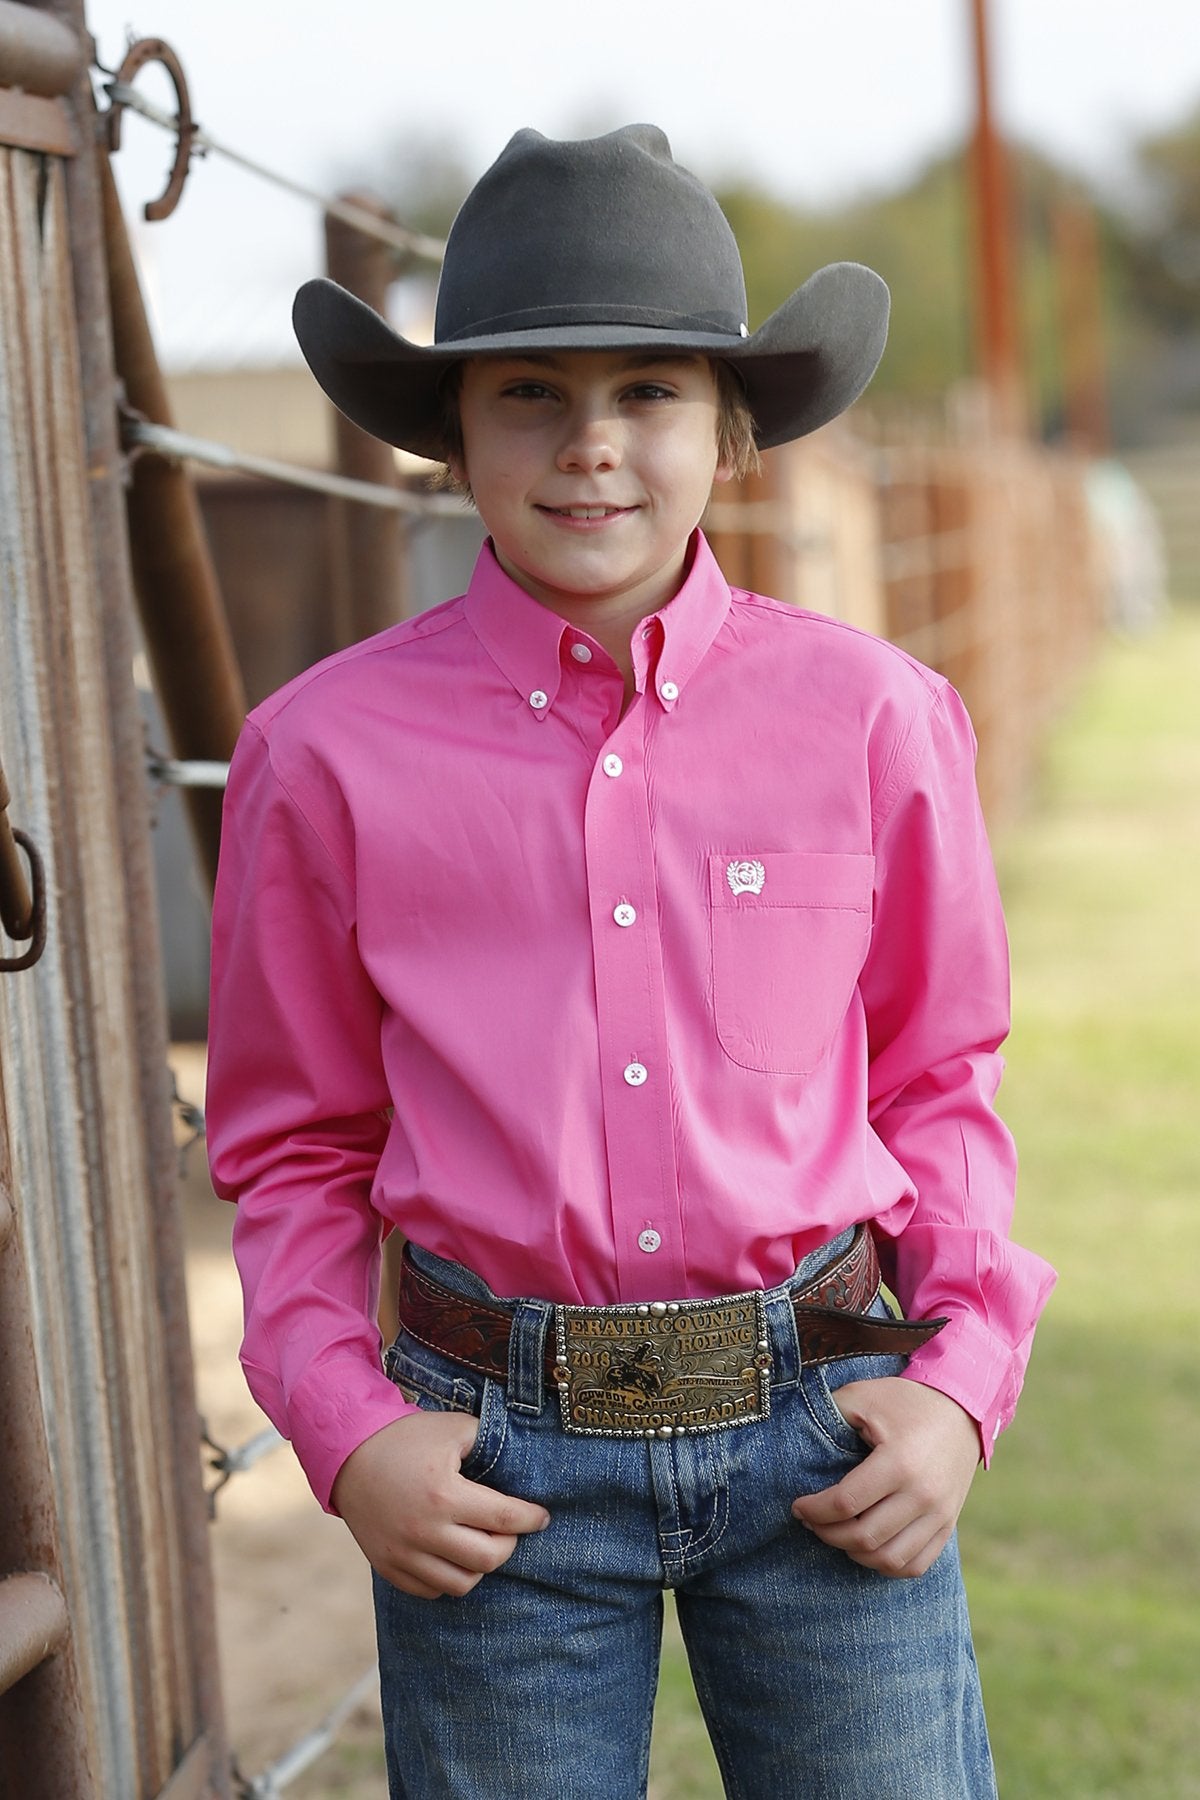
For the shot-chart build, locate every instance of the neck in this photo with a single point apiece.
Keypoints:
(612, 618)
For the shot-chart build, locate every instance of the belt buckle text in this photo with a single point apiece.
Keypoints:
(664, 1369)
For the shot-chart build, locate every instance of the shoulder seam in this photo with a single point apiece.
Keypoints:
(293, 799)
(395, 638)
(901, 771)
(784, 608)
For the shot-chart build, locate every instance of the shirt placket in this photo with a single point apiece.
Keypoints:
(631, 1018)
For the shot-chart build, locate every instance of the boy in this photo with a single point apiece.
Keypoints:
(633, 947)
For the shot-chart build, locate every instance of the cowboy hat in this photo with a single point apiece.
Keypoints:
(599, 244)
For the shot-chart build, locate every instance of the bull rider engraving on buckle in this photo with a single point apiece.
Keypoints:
(662, 1370)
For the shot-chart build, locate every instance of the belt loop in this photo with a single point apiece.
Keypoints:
(526, 1356)
(785, 1343)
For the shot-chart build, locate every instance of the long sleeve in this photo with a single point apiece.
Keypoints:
(297, 1118)
(936, 991)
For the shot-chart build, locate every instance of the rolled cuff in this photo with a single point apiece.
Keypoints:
(982, 1372)
(333, 1409)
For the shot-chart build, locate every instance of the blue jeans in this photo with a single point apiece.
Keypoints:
(817, 1678)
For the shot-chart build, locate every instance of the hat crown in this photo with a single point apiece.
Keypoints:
(607, 230)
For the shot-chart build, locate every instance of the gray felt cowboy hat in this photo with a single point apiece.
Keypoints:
(601, 244)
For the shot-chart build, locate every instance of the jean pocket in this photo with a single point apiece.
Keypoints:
(429, 1381)
(820, 1383)
(425, 1383)
(789, 931)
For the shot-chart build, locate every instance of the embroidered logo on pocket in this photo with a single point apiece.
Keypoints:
(745, 877)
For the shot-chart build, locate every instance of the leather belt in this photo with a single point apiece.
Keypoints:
(830, 1318)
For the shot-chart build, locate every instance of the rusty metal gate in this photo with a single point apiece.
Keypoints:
(108, 1684)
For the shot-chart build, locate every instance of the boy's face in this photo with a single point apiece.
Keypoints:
(590, 470)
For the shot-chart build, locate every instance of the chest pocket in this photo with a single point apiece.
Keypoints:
(789, 935)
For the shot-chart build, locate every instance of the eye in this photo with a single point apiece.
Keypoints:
(527, 390)
(650, 390)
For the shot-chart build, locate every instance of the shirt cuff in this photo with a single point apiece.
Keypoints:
(982, 1372)
(333, 1409)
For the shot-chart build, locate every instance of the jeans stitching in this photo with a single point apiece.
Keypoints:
(685, 1543)
(820, 1425)
(490, 1401)
(710, 1538)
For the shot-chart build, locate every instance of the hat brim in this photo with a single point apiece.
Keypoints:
(806, 364)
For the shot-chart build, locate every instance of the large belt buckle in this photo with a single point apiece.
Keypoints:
(662, 1370)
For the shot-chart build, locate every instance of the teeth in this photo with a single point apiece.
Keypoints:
(587, 512)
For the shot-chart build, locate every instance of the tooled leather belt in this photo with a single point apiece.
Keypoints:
(666, 1367)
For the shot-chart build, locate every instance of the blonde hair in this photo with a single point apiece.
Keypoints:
(736, 448)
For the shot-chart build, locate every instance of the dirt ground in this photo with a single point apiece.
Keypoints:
(294, 1616)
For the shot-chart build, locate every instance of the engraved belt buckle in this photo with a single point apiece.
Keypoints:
(662, 1370)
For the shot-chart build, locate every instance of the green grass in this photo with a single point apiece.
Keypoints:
(1082, 1545)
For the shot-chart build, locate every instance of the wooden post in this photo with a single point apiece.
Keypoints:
(997, 336)
(370, 591)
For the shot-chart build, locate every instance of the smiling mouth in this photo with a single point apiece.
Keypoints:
(585, 512)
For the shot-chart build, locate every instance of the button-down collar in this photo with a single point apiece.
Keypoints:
(528, 641)
(521, 636)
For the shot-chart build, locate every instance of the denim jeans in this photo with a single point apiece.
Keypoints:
(817, 1678)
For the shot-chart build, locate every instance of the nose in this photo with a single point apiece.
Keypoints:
(590, 440)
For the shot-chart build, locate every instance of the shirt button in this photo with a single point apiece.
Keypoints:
(581, 653)
(538, 700)
(635, 1074)
(649, 1240)
(624, 914)
(669, 691)
(612, 765)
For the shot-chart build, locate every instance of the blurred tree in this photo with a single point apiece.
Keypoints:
(915, 238)
(919, 240)
(1163, 238)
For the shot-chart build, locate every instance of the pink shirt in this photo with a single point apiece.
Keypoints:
(608, 1007)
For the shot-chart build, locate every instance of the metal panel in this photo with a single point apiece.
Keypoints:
(43, 1741)
(31, 123)
(82, 1051)
(39, 53)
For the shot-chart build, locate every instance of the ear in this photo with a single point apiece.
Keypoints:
(724, 472)
(457, 467)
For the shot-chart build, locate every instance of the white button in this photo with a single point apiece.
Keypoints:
(648, 632)
(612, 765)
(537, 700)
(635, 1074)
(649, 1240)
(624, 914)
(669, 691)
(581, 653)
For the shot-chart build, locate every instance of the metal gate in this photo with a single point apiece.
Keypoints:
(108, 1684)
